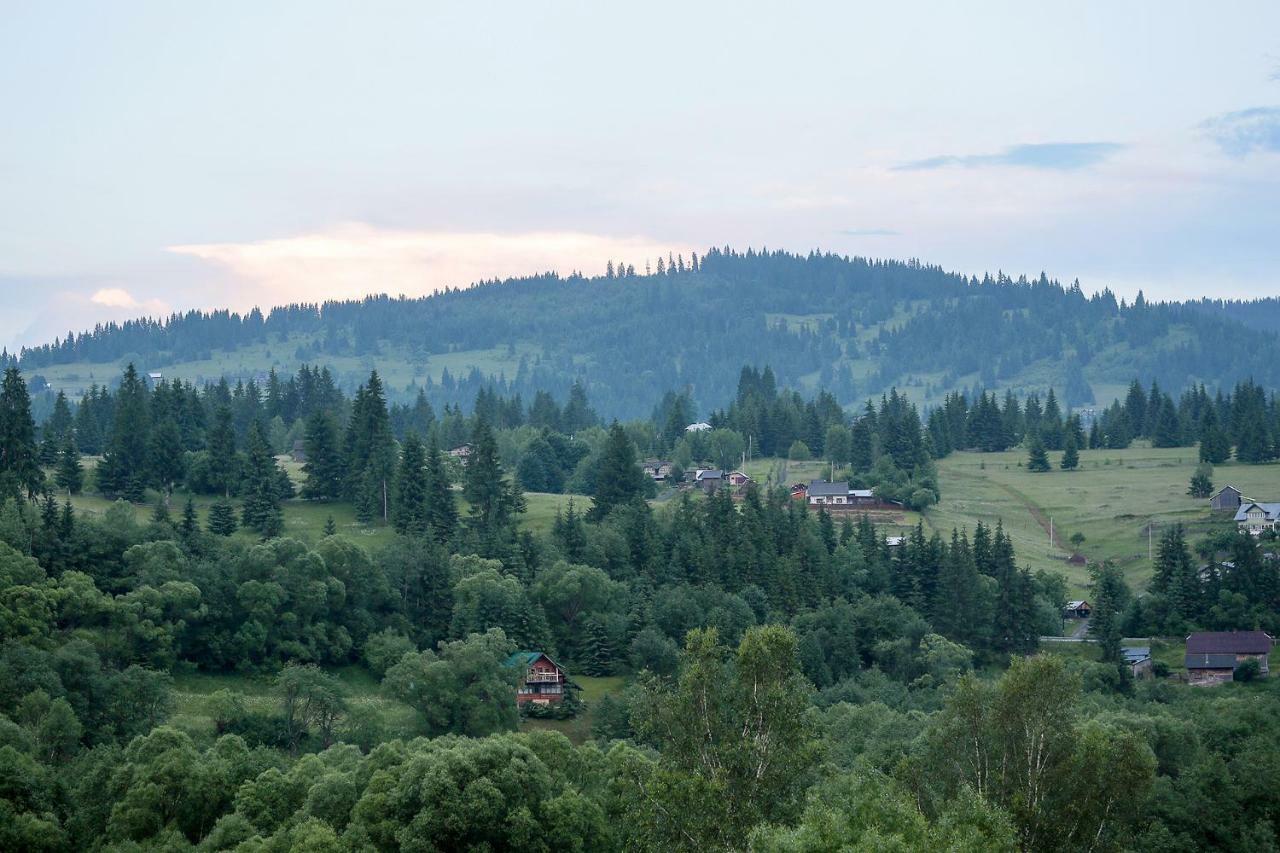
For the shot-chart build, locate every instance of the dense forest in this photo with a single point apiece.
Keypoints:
(793, 681)
(852, 326)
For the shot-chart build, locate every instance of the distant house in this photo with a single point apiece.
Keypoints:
(700, 426)
(738, 479)
(656, 469)
(543, 680)
(708, 479)
(1255, 517)
(1228, 498)
(155, 376)
(799, 491)
(299, 451)
(1138, 659)
(822, 493)
(894, 541)
(462, 451)
(1213, 656)
(1077, 610)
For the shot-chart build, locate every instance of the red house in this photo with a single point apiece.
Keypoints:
(544, 681)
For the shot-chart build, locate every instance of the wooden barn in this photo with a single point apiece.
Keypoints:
(1213, 656)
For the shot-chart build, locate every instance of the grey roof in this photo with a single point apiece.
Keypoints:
(1272, 510)
(823, 489)
(711, 474)
(1210, 661)
(1133, 654)
(862, 493)
(1227, 486)
(1229, 642)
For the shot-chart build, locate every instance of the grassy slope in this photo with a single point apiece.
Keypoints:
(1111, 499)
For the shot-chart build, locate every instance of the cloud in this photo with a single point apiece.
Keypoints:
(1062, 156)
(869, 232)
(1243, 132)
(356, 259)
(114, 297)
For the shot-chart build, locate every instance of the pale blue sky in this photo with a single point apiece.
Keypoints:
(159, 156)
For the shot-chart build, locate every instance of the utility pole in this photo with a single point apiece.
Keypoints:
(1051, 531)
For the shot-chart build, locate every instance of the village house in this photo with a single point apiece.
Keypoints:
(822, 493)
(1254, 517)
(799, 491)
(656, 469)
(894, 541)
(700, 426)
(708, 479)
(543, 681)
(1138, 659)
(462, 452)
(1227, 499)
(737, 479)
(1213, 656)
(1077, 610)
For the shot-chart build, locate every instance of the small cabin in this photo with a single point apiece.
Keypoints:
(709, 479)
(543, 681)
(299, 451)
(738, 479)
(656, 469)
(1138, 659)
(1077, 610)
(462, 452)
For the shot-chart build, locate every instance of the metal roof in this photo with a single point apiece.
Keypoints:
(1271, 511)
(821, 488)
(1210, 661)
(1133, 654)
(1229, 642)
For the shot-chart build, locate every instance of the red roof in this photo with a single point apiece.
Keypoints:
(1229, 642)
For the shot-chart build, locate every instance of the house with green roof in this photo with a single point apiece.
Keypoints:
(543, 680)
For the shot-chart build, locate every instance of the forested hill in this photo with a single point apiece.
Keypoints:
(851, 325)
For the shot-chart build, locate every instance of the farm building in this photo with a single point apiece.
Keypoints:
(462, 451)
(544, 681)
(299, 451)
(1227, 498)
(1077, 610)
(656, 469)
(738, 479)
(708, 479)
(1254, 517)
(1138, 659)
(1213, 656)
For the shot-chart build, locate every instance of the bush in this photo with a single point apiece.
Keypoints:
(1247, 671)
(799, 452)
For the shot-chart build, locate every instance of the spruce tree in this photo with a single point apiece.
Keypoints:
(370, 449)
(495, 500)
(124, 470)
(190, 521)
(324, 468)
(619, 479)
(597, 657)
(222, 518)
(160, 514)
(1070, 454)
(409, 512)
(224, 463)
(1037, 459)
(260, 487)
(166, 455)
(20, 471)
(70, 472)
(1215, 444)
(55, 431)
(442, 511)
(330, 527)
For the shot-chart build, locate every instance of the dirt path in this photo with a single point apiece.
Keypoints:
(1034, 511)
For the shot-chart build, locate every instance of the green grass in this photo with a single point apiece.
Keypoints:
(1111, 500)
(578, 729)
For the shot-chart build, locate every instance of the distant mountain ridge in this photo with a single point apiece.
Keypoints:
(853, 325)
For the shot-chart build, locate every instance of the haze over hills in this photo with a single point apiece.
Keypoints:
(853, 326)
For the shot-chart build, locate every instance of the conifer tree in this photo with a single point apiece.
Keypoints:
(495, 500)
(55, 431)
(1037, 459)
(409, 512)
(222, 518)
(160, 514)
(124, 470)
(1215, 444)
(224, 463)
(1070, 454)
(70, 472)
(261, 510)
(570, 534)
(20, 471)
(165, 454)
(370, 449)
(190, 521)
(442, 511)
(330, 527)
(619, 480)
(323, 467)
(597, 657)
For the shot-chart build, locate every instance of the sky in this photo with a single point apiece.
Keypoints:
(159, 156)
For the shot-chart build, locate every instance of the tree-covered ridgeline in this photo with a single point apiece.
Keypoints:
(695, 323)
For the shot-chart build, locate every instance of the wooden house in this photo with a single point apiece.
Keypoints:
(708, 479)
(462, 452)
(542, 682)
(838, 494)
(1077, 610)
(656, 469)
(737, 479)
(1226, 499)
(1212, 657)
